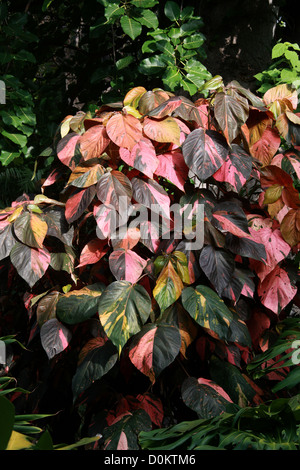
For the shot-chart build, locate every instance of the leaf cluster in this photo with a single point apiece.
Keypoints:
(160, 257)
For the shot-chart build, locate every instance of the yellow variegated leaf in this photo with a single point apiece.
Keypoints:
(123, 309)
(168, 287)
(31, 229)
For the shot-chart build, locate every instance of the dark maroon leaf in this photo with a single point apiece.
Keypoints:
(78, 202)
(227, 216)
(218, 266)
(204, 152)
(245, 247)
(236, 169)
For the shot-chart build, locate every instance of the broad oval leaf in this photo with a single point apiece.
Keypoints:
(142, 157)
(78, 202)
(218, 265)
(85, 176)
(210, 312)
(114, 188)
(150, 194)
(229, 217)
(236, 169)
(172, 167)
(99, 356)
(204, 397)
(93, 142)
(55, 337)
(204, 152)
(168, 287)
(276, 290)
(30, 263)
(7, 241)
(126, 265)
(154, 348)
(46, 308)
(231, 113)
(58, 226)
(123, 309)
(66, 150)
(124, 130)
(93, 251)
(162, 130)
(266, 147)
(31, 229)
(77, 306)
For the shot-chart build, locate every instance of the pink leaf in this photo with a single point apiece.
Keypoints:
(172, 167)
(142, 157)
(93, 252)
(276, 290)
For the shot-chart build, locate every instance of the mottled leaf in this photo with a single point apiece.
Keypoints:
(210, 312)
(126, 265)
(204, 397)
(154, 348)
(55, 337)
(30, 263)
(79, 305)
(124, 130)
(204, 152)
(123, 309)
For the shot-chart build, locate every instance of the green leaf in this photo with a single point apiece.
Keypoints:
(194, 41)
(189, 87)
(167, 49)
(168, 287)
(124, 62)
(210, 312)
(148, 18)
(7, 157)
(131, 27)
(152, 65)
(204, 397)
(7, 413)
(123, 309)
(113, 11)
(172, 11)
(144, 3)
(18, 139)
(77, 306)
(278, 50)
(172, 77)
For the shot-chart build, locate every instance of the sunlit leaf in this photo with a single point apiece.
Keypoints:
(123, 309)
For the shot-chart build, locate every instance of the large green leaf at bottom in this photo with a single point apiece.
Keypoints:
(210, 312)
(123, 309)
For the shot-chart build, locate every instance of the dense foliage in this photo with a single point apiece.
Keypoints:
(160, 271)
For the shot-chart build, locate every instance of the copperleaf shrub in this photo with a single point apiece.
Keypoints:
(162, 253)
